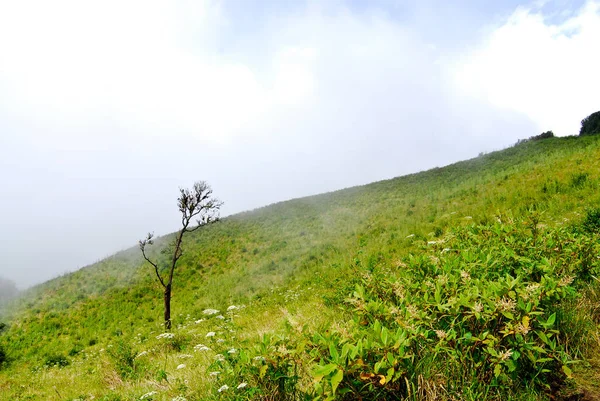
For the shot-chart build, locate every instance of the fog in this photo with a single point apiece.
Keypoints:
(107, 108)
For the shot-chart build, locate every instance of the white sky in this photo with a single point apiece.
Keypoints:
(106, 108)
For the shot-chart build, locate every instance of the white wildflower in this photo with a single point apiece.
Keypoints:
(179, 398)
(148, 395)
(431, 242)
(566, 280)
(505, 355)
(141, 354)
(441, 334)
(232, 307)
(507, 304)
(210, 334)
(165, 335)
(185, 356)
(214, 374)
(181, 366)
(219, 357)
(199, 321)
(224, 387)
(522, 329)
(410, 236)
(259, 358)
(478, 307)
(242, 385)
(210, 311)
(465, 275)
(220, 340)
(201, 347)
(232, 351)
(221, 317)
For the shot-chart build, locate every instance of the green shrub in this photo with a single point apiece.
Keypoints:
(479, 310)
(3, 357)
(57, 359)
(591, 124)
(591, 223)
(123, 357)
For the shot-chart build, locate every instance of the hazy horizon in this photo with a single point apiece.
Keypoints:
(107, 108)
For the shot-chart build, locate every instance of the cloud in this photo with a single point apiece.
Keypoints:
(546, 70)
(107, 108)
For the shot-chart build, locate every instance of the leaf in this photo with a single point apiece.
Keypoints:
(551, 320)
(366, 376)
(333, 352)
(381, 379)
(542, 336)
(567, 371)
(263, 371)
(336, 379)
(323, 370)
(497, 370)
(384, 336)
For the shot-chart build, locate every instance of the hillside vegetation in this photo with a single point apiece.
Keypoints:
(475, 281)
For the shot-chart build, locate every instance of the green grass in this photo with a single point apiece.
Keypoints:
(295, 267)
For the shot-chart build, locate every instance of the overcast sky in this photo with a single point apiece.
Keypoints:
(107, 107)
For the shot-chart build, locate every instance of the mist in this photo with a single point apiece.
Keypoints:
(99, 128)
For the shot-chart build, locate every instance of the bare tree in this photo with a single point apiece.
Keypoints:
(195, 204)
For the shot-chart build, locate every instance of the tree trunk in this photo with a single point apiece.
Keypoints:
(168, 306)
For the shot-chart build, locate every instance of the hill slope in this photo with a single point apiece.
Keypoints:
(303, 263)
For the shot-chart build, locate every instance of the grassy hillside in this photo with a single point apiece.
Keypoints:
(472, 281)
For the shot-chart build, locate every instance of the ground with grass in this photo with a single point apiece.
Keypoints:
(478, 280)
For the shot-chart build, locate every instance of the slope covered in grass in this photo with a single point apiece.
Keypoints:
(356, 293)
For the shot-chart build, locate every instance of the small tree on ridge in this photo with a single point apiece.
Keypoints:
(591, 124)
(195, 204)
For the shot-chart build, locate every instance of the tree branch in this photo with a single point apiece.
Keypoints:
(143, 243)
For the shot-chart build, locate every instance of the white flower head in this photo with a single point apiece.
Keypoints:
(242, 385)
(165, 335)
(210, 334)
(199, 321)
(232, 307)
(441, 334)
(201, 347)
(221, 317)
(181, 366)
(210, 311)
(219, 357)
(220, 340)
(179, 398)
(214, 374)
(141, 354)
(232, 351)
(224, 387)
(148, 395)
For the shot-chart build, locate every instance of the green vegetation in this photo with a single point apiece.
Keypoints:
(476, 281)
(591, 124)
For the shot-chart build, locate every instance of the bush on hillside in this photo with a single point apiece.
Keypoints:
(2, 356)
(591, 224)
(543, 135)
(591, 124)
